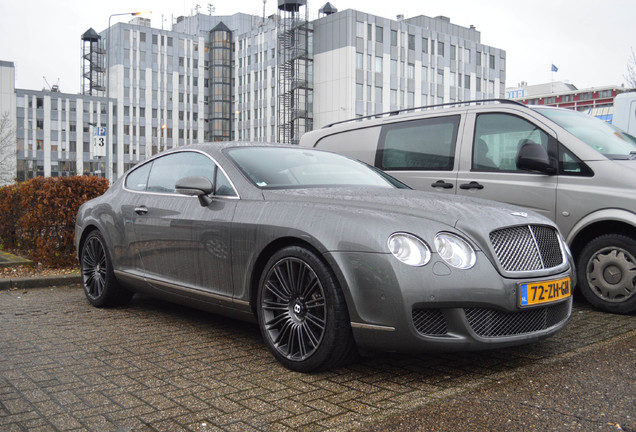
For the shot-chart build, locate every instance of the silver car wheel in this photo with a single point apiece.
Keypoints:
(294, 309)
(94, 268)
(611, 274)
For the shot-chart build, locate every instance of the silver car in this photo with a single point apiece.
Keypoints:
(325, 253)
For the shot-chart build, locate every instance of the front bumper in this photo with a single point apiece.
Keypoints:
(394, 307)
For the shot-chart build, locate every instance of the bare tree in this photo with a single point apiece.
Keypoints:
(631, 70)
(7, 150)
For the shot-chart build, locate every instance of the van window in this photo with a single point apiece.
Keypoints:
(498, 138)
(426, 144)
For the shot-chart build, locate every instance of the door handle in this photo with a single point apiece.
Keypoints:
(141, 210)
(471, 185)
(442, 184)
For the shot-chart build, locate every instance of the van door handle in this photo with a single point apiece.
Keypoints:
(141, 210)
(471, 185)
(442, 184)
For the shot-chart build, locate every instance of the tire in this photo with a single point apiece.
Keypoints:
(98, 279)
(607, 273)
(302, 312)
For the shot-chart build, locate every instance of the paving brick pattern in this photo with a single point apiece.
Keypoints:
(154, 366)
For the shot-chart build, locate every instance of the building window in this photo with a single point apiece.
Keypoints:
(393, 98)
(478, 58)
(379, 34)
(466, 55)
(359, 29)
(359, 92)
(453, 52)
(394, 38)
(425, 45)
(410, 71)
(467, 81)
(378, 95)
(359, 60)
(411, 42)
(378, 64)
(440, 48)
(394, 67)
(492, 61)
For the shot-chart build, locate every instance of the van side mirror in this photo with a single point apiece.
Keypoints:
(196, 186)
(534, 157)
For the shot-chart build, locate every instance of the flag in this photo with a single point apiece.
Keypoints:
(554, 69)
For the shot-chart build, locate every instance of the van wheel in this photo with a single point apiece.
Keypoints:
(607, 273)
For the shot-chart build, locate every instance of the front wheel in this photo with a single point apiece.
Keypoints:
(100, 285)
(607, 273)
(302, 312)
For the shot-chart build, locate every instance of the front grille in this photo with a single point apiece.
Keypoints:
(429, 322)
(525, 248)
(494, 323)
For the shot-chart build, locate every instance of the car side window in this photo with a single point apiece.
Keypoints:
(571, 165)
(498, 137)
(425, 144)
(137, 179)
(223, 187)
(167, 170)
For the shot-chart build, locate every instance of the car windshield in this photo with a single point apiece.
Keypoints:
(603, 137)
(279, 167)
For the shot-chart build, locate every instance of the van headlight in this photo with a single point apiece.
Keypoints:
(455, 251)
(409, 249)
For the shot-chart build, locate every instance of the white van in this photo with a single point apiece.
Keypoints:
(625, 112)
(573, 168)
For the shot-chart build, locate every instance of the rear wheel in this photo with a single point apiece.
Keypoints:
(607, 273)
(100, 285)
(302, 312)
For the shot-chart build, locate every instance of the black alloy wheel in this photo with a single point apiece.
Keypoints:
(100, 285)
(302, 312)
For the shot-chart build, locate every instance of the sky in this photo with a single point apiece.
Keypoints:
(589, 41)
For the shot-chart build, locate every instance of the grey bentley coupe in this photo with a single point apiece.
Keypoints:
(325, 253)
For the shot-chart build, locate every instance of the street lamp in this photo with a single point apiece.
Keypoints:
(109, 143)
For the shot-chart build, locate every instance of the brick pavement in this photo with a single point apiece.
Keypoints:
(155, 366)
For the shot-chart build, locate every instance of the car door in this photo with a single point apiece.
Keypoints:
(174, 232)
(422, 153)
(488, 168)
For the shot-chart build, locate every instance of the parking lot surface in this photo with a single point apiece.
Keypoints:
(155, 366)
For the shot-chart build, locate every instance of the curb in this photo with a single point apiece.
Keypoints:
(39, 282)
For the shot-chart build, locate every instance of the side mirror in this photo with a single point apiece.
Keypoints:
(196, 186)
(534, 157)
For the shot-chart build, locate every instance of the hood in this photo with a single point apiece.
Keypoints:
(474, 216)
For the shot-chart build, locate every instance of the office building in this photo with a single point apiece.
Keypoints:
(246, 77)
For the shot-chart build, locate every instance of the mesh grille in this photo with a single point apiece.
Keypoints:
(525, 248)
(429, 322)
(494, 323)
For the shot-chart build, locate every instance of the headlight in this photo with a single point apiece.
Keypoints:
(455, 250)
(409, 249)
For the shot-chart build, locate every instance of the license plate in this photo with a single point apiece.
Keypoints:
(535, 293)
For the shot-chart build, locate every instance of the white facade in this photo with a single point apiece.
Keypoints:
(7, 123)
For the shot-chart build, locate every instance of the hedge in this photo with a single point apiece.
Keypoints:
(37, 216)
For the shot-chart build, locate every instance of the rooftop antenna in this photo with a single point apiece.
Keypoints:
(211, 8)
(264, 1)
